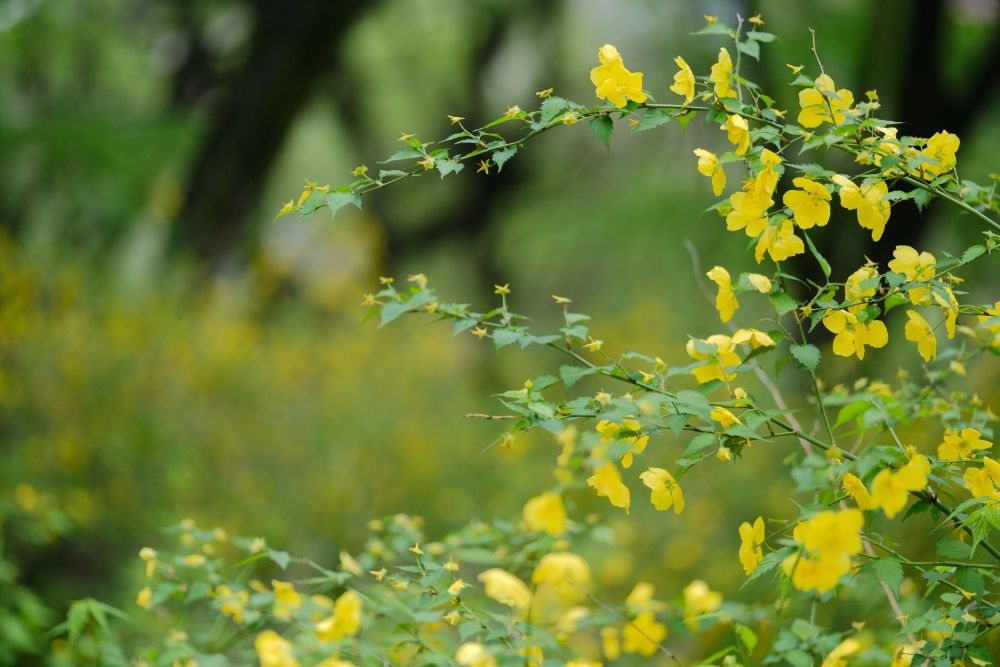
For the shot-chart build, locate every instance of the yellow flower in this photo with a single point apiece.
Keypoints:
(890, 487)
(665, 490)
(724, 417)
(543, 94)
(502, 289)
(456, 587)
(751, 539)
(852, 335)
(838, 656)
(506, 589)
(738, 132)
(817, 102)
(982, 482)
(561, 300)
(749, 211)
(566, 573)
(724, 357)
(418, 278)
(286, 599)
(961, 446)
(916, 267)
(233, 604)
(760, 283)
(615, 83)
(826, 543)
(194, 560)
(474, 654)
(699, 599)
(607, 482)
(795, 68)
(455, 119)
(274, 651)
(479, 332)
(512, 111)
(753, 337)
(593, 345)
(856, 489)
(683, 81)
(546, 513)
(610, 642)
(144, 598)
(940, 150)
(779, 241)
(919, 331)
(766, 179)
(810, 205)
(719, 75)
(643, 634)
(345, 621)
(709, 165)
(756, 19)
(725, 301)
(484, 167)
(868, 200)
(360, 170)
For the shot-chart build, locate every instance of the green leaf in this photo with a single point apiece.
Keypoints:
(446, 165)
(747, 636)
(769, 562)
(338, 200)
(749, 47)
(823, 264)
(699, 443)
(889, 571)
(505, 337)
(280, 558)
(602, 126)
(922, 198)
(954, 549)
(572, 374)
(783, 303)
(316, 200)
(653, 118)
(550, 109)
(686, 118)
(718, 28)
(76, 619)
(852, 411)
(972, 253)
(405, 154)
(501, 157)
(761, 36)
(807, 355)
(970, 579)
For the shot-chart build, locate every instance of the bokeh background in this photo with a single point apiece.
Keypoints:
(166, 350)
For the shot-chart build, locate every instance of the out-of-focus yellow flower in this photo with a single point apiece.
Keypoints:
(827, 541)
(144, 598)
(474, 654)
(699, 599)
(607, 482)
(274, 651)
(643, 634)
(917, 330)
(838, 656)
(962, 445)
(546, 513)
(724, 417)
(751, 541)
(890, 487)
(286, 599)
(506, 589)
(725, 301)
(856, 489)
(345, 621)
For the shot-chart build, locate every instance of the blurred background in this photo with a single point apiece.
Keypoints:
(166, 350)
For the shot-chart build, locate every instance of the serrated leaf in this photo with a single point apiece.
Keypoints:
(747, 636)
(446, 165)
(852, 410)
(889, 571)
(505, 337)
(501, 157)
(749, 47)
(338, 200)
(653, 118)
(807, 355)
(769, 562)
(970, 579)
(550, 109)
(954, 549)
(602, 126)
(972, 253)
(572, 374)
(783, 303)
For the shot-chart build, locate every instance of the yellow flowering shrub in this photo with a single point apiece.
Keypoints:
(528, 590)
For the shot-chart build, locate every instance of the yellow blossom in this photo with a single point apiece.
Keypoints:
(666, 492)
(890, 487)
(379, 574)
(699, 599)
(738, 132)
(752, 337)
(709, 165)
(817, 102)
(827, 541)
(751, 540)
(611, 642)
(613, 82)
(766, 179)
(749, 211)
(961, 445)
(719, 76)
(917, 267)
(286, 599)
(607, 482)
(474, 654)
(484, 167)
(760, 283)
(919, 331)
(724, 359)
(456, 587)
(725, 301)
(543, 94)
(233, 603)
(455, 119)
(144, 598)
(506, 589)
(546, 513)
(512, 111)
(756, 19)
(779, 241)
(345, 621)
(569, 118)
(683, 81)
(838, 656)
(274, 651)
(869, 201)
(360, 170)
(795, 68)
(561, 300)
(810, 204)
(856, 489)
(852, 335)
(982, 482)
(418, 278)
(643, 635)
(565, 573)
(940, 151)
(724, 417)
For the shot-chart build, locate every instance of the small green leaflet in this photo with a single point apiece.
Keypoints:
(501, 156)
(889, 572)
(823, 264)
(807, 355)
(653, 118)
(338, 200)
(446, 165)
(749, 47)
(602, 126)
